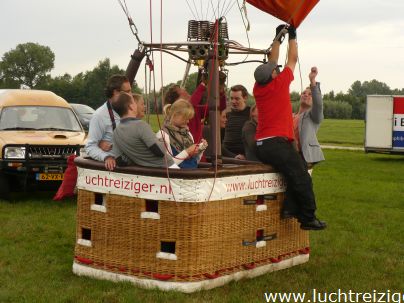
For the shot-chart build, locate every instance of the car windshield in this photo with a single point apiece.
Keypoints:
(38, 118)
(82, 108)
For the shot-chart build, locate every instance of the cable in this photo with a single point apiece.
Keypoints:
(196, 10)
(207, 9)
(214, 11)
(132, 25)
(228, 8)
(300, 74)
(246, 29)
(221, 10)
(168, 52)
(242, 62)
(193, 14)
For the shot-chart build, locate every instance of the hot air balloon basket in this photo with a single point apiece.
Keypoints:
(145, 236)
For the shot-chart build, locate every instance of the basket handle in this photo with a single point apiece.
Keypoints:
(269, 197)
(264, 238)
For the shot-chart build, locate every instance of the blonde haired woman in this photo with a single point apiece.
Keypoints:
(177, 137)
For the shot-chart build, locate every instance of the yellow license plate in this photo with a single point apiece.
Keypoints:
(49, 177)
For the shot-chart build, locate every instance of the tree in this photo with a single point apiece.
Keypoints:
(71, 89)
(295, 96)
(356, 89)
(28, 64)
(372, 87)
(190, 84)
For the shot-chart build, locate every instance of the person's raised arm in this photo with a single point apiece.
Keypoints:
(316, 112)
(292, 52)
(279, 36)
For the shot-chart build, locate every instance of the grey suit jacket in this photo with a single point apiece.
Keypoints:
(309, 123)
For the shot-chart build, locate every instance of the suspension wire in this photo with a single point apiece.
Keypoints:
(193, 14)
(155, 95)
(161, 46)
(246, 29)
(161, 75)
(201, 8)
(126, 7)
(132, 25)
(228, 8)
(221, 10)
(196, 10)
(300, 74)
(150, 84)
(207, 9)
(214, 10)
(146, 94)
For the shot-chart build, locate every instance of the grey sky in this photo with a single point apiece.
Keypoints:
(347, 40)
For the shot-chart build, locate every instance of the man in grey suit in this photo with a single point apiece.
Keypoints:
(307, 121)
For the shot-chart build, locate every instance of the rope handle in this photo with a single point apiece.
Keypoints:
(262, 238)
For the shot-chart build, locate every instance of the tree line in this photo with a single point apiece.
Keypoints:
(29, 65)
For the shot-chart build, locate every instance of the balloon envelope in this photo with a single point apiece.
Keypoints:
(290, 11)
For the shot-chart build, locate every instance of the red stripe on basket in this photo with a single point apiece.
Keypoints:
(84, 260)
(249, 265)
(163, 277)
(212, 276)
(304, 251)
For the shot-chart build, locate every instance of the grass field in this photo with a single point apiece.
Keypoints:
(360, 196)
(342, 132)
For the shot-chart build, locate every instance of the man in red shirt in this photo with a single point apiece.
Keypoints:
(275, 132)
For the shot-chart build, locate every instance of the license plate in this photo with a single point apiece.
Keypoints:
(49, 177)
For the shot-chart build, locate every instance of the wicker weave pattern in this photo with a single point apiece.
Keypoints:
(208, 237)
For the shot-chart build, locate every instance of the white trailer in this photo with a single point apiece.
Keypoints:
(384, 131)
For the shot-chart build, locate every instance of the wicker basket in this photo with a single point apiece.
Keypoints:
(184, 242)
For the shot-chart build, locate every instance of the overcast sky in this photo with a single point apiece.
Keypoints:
(347, 40)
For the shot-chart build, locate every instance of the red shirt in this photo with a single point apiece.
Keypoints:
(195, 125)
(274, 107)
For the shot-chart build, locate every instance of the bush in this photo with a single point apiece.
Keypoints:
(295, 106)
(337, 110)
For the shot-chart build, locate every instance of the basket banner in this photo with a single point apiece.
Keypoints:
(180, 190)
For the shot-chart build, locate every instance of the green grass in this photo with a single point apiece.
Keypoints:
(342, 132)
(360, 196)
(155, 121)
